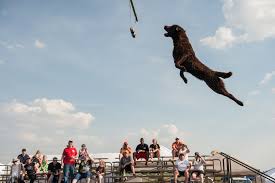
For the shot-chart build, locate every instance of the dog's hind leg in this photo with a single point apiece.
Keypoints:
(217, 85)
(223, 75)
(182, 76)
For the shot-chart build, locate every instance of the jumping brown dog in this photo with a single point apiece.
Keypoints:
(186, 60)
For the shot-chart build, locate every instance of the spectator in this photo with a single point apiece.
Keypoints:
(30, 169)
(100, 171)
(176, 146)
(126, 164)
(155, 150)
(44, 165)
(68, 159)
(37, 158)
(83, 171)
(23, 156)
(182, 167)
(198, 170)
(54, 170)
(84, 154)
(142, 151)
(184, 149)
(16, 171)
(125, 148)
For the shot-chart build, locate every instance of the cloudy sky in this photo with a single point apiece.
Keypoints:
(70, 70)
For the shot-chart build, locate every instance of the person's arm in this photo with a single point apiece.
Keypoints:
(147, 148)
(203, 160)
(62, 157)
(137, 148)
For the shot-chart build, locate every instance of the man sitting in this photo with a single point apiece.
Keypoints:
(30, 170)
(182, 167)
(176, 147)
(142, 151)
(154, 150)
(83, 171)
(126, 164)
(54, 169)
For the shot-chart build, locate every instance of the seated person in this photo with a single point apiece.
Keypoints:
(44, 166)
(54, 171)
(184, 149)
(16, 171)
(198, 170)
(100, 171)
(83, 171)
(154, 150)
(182, 167)
(142, 151)
(30, 170)
(125, 147)
(126, 164)
(176, 146)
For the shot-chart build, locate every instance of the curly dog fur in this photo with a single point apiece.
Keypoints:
(186, 60)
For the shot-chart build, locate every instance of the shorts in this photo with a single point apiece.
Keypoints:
(80, 176)
(143, 155)
(181, 174)
(198, 172)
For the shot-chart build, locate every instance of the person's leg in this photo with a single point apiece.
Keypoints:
(173, 154)
(66, 172)
(146, 157)
(186, 175)
(135, 158)
(100, 178)
(158, 154)
(50, 180)
(176, 173)
(76, 178)
(201, 177)
(194, 176)
(59, 178)
(133, 169)
(72, 171)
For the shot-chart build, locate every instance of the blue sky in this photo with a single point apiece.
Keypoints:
(70, 70)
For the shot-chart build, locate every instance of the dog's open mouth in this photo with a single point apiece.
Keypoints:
(165, 28)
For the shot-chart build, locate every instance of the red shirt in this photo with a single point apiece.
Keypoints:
(69, 154)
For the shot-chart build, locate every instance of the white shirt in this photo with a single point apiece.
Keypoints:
(198, 165)
(16, 169)
(182, 165)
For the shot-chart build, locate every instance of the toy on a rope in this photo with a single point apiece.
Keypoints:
(132, 8)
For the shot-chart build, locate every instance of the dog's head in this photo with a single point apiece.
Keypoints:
(173, 31)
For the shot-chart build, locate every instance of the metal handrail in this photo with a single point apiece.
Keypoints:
(254, 170)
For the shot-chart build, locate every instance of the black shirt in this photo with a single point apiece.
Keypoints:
(22, 158)
(30, 169)
(54, 168)
(154, 147)
(143, 147)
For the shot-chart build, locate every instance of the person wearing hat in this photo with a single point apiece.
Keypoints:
(83, 153)
(198, 169)
(54, 170)
(16, 170)
(125, 148)
(176, 147)
(83, 171)
(182, 167)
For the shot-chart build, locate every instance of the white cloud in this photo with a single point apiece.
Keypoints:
(9, 45)
(245, 21)
(273, 90)
(43, 111)
(165, 134)
(39, 44)
(254, 92)
(267, 78)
